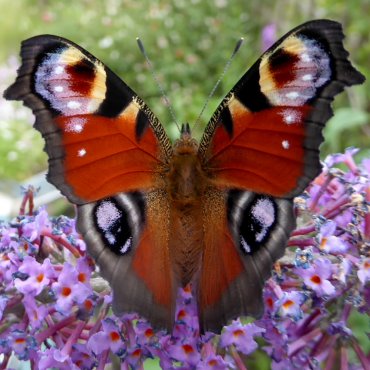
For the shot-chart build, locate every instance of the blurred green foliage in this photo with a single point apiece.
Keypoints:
(189, 42)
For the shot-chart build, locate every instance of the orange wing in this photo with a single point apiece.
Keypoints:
(100, 137)
(265, 136)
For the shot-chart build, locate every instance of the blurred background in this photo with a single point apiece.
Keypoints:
(189, 42)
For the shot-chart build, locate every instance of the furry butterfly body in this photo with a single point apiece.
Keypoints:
(157, 216)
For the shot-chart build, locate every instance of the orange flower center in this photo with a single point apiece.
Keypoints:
(316, 279)
(66, 291)
(181, 315)
(82, 277)
(88, 304)
(238, 332)
(323, 242)
(114, 336)
(187, 348)
(40, 277)
(288, 303)
(270, 302)
(149, 333)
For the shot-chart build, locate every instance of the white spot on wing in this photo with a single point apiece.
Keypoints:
(285, 144)
(110, 237)
(59, 70)
(307, 77)
(107, 215)
(75, 125)
(126, 246)
(290, 115)
(292, 95)
(305, 58)
(73, 104)
(245, 245)
(263, 211)
(58, 88)
(81, 152)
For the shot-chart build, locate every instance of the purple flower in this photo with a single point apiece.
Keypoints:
(36, 313)
(3, 302)
(22, 344)
(290, 305)
(317, 277)
(328, 242)
(8, 238)
(31, 229)
(213, 362)
(8, 266)
(268, 36)
(342, 270)
(241, 336)
(55, 358)
(363, 272)
(109, 338)
(346, 158)
(69, 290)
(82, 358)
(185, 352)
(39, 276)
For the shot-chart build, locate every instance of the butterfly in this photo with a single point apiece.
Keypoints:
(216, 214)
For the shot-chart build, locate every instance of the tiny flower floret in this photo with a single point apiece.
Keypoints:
(317, 277)
(241, 336)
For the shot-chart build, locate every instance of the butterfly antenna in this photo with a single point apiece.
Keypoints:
(227, 65)
(160, 87)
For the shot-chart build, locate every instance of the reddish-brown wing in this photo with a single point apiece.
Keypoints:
(100, 137)
(260, 149)
(265, 135)
(106, 154)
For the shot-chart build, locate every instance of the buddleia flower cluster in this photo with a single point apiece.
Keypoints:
(55, 309)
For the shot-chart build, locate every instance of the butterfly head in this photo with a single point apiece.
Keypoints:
(186, 144)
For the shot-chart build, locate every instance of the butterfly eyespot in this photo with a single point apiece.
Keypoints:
(112, 221)
(259, 218)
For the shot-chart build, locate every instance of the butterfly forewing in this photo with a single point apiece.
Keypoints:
(100, 137)
(265, 135)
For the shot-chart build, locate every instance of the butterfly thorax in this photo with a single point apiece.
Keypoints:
(186, 179)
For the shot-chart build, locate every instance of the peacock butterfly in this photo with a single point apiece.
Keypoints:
(157, 216)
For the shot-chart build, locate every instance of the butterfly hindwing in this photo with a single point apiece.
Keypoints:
(260, 149)
(265, 135)
(122, 235)
(100, 137)
(245, 233)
